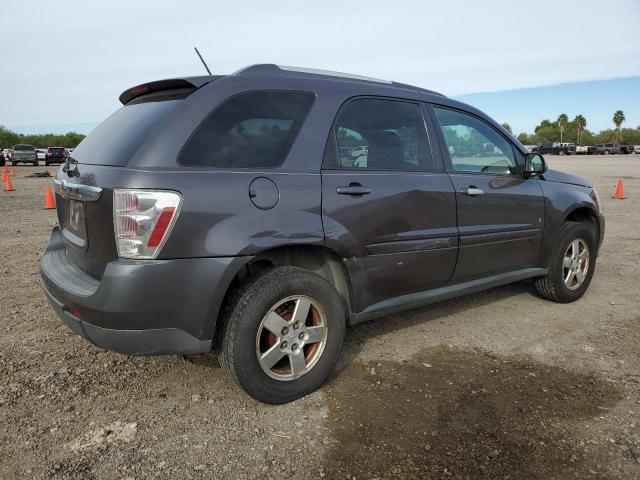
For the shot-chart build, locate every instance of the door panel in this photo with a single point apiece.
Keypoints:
(500, 229)
(399, 238)
(500, 213)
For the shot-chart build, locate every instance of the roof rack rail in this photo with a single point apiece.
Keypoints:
(267, 68)
(271, 69)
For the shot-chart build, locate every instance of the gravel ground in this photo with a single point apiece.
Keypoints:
(499, 384)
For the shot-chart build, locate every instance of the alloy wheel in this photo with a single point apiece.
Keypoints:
(291, 338)
(575, 264)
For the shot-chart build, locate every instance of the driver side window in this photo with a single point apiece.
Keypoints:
(473, 145)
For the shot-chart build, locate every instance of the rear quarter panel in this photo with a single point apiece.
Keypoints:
(218, 219)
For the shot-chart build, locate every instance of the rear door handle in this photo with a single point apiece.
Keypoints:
(472, 191)
(355, 190)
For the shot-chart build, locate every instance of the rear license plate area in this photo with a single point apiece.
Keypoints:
(75, 224)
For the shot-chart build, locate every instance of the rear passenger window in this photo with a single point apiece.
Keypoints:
(380, 134)
(251, 130)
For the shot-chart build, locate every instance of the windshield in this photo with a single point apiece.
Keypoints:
(23, 147)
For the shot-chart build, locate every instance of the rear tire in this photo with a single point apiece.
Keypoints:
(268, 303)
(568, 278)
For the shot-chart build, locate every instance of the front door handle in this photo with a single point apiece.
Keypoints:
(472, 191)
(354, 189)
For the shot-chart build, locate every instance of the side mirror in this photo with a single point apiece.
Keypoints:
(534, 164)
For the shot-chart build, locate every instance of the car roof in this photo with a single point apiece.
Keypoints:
(269, 70)
(325, 82)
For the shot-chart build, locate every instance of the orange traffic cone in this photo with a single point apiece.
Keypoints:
(619, 191)
(49, 201)
(13, 171)
(8, 187)
(4, 177)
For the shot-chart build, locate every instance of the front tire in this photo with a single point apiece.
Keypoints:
(282, 334)
(572, 264)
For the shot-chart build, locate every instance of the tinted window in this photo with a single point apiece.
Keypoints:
(379, 134)
(253, 129)
(115, 140)
(23, 147)
(473, 145)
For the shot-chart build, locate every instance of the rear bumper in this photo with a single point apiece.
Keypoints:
(139, 307)
(131, 342)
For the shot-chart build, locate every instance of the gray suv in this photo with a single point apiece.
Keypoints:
(261, 213)
(23, 154)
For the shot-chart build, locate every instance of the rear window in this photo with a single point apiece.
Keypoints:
(23, 147)
(250, 130)
(115, 140)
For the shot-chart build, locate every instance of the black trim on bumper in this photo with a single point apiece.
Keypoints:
(132, 342)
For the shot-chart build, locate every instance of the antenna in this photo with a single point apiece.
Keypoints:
(202, 60)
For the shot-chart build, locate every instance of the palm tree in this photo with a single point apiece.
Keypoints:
(562, 121)
(580, 122)
(618, 118)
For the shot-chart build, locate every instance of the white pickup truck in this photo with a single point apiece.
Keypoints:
(582, 149)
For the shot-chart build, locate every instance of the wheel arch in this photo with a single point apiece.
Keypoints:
(320, 260)
(584, 213)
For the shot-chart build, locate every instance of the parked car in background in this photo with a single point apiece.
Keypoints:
(23, 153)
(614, 148)
(636, 149)
(626, 149)
(55, 155)
(280, 241)
(2, 160)
(530, 147)
(42, 153)
(581, 149)
(553, 149)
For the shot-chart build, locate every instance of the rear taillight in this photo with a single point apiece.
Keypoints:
(143, 220)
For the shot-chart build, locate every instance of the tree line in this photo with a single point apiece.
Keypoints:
(70, 140)
(575, 131)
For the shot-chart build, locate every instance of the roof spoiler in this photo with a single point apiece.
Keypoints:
(159, 85)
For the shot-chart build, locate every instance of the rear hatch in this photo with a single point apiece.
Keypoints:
(85, 183)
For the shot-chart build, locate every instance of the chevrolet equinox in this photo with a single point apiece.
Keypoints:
(261, 213)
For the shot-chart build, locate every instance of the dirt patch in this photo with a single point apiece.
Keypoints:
(193, 423)
(451, 413)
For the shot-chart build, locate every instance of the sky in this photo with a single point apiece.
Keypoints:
(64, 68)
